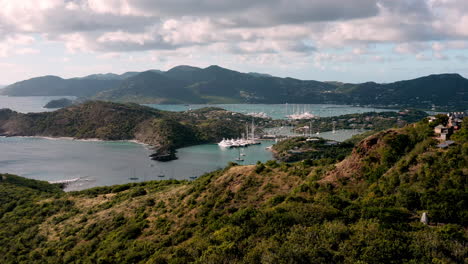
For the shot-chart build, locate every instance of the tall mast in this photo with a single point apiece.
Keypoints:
(253, 129)
(310, 129)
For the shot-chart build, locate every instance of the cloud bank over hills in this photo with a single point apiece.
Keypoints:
(324, 34)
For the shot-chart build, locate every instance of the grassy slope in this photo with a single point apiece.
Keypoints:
(365, 212)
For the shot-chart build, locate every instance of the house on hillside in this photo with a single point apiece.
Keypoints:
(445, 144)
(438, 129)
(455, 119)
(442, 132)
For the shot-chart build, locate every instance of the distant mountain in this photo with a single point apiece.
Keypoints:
(214, 84)
(442, 89)
(256, 74)
(110, 76)
(218, 85)
(150, 87)
(56, 86)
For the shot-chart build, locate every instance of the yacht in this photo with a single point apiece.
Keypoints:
(258, 114)
(305, 115)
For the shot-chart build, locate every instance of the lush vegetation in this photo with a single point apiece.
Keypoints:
(364, 209)
(185, 84)
(59, 103)
(376, 121)
(56, 86)
(300, 148)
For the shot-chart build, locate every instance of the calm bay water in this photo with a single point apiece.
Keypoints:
(100, 163)
(108, 163)
(27, 104)
(275, 111)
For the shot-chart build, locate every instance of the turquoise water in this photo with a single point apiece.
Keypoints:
(279, 111)
(27, 104)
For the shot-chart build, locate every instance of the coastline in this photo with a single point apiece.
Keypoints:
(83, 139)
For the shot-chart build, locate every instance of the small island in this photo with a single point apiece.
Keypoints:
(58, 103)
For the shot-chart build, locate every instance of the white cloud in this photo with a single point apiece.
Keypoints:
(27, 51)
(15, 43)
(440, 56)
(256, 31)
(119, 25)
(411, 48)
(422, 57)
(462, 58)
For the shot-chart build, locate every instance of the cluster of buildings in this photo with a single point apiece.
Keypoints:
(454, 123)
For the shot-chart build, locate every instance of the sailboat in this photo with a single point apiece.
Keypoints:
(134, 178)
(299, 114)
(239, 158)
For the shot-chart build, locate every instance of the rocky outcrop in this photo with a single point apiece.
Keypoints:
(59, 103)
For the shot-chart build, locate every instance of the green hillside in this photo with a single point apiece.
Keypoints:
(365, 209)
(150, 87)
(56, 86)
(445, 89)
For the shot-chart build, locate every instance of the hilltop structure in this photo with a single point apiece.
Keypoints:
(455, 120)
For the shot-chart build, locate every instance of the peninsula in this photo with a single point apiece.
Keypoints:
(164, 131)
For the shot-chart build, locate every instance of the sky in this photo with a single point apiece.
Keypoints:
(325, 40)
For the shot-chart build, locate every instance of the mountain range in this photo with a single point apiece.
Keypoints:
(214, 84)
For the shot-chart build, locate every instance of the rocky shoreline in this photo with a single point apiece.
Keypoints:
(164, 155)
